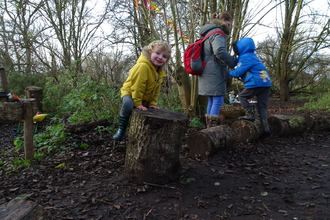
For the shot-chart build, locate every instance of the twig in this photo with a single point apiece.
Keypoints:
(265, 206)
(163, 186)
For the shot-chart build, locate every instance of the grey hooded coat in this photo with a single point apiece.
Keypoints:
(213, 80)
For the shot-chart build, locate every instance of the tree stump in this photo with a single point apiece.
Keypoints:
(23, 209)
(154, 144)
(36, 93)
(246, 131)
(205, 143)
(282, 125)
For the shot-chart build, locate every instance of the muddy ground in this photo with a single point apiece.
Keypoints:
(275, 178)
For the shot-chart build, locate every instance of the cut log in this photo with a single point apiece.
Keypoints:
(205, 143)
(23, 209)
(154, 144)
(282, 125)
(246, 131)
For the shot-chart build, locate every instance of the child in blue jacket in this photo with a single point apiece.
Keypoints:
(256, 80)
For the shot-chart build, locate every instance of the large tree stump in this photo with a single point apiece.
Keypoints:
(154, 144)
(23, 209)
(246, 131)
(36, 93)
(205, 143)
(282, 125)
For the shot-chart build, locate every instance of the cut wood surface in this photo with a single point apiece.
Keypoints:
(282, 125)
(154, 144)
(207, 142)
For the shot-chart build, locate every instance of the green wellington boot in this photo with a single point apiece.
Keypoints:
(265, 126)
(123, 123)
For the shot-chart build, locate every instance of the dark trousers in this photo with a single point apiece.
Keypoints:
(262, 94)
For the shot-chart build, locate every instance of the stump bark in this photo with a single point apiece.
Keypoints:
(282, 125)
(246, 131)
(23, 209)
(207, 142)
(154, 144)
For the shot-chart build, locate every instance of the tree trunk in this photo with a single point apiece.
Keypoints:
(284, 90)
(154, 144)
(205, 143)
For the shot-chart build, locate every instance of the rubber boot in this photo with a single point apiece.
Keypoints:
(212, 120)
(265, 127)
(249, 115)
(123, 122)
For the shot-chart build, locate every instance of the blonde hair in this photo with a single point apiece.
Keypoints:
(157, 44)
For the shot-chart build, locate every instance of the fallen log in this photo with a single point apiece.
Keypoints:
(154, 144)
(282, 125)
(79, 128)
(246, 131)
(321, 122)
(205, 143)
(23, 209)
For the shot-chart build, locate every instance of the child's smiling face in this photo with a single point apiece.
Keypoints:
(159, 57)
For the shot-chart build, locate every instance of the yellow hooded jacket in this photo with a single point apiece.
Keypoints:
(143, 82)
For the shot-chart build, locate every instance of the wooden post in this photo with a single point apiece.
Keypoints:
(4, 80)
(154, 144)
(33, 92)
(28, 130)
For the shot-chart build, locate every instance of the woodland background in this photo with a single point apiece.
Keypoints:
(80, 51)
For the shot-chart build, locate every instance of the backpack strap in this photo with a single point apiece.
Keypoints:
(220, 32)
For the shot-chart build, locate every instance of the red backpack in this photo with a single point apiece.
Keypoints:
(192, 60)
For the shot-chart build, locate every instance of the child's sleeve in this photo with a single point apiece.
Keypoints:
(138, 84)
(242, 67)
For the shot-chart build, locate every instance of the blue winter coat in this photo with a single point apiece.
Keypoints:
(252, 71)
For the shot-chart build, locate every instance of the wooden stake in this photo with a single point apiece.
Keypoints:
(28, 131)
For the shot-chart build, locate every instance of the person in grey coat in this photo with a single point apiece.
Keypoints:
(213, 80)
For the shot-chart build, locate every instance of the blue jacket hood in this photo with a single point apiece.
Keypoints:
(245, 45)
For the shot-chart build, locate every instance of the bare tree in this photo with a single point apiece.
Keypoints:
(75, 25)
(20, 32)
(293, 34)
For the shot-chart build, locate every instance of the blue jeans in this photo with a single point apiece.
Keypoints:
(214, 104)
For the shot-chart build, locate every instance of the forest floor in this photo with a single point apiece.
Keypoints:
(275, 178)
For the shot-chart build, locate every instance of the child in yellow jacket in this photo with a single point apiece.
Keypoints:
(141, 88)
